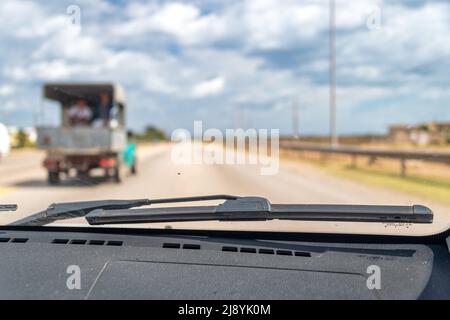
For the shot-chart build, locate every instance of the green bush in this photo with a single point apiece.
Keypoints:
(151, 133)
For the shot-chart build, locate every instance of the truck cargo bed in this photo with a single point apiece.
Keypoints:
(81, 140)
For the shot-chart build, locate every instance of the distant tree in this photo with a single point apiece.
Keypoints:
(154, 134)
(22, 139)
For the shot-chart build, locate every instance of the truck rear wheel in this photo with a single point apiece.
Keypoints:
(117, 176)
(83, 177)
(53, 177)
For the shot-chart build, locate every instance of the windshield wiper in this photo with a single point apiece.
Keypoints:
(260, 209)
(233, 209)
(8, 207)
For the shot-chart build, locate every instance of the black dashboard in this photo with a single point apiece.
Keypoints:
(40, 263)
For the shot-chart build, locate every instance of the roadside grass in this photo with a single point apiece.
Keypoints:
(432, 188)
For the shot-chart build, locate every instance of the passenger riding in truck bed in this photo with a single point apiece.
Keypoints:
(83, 114)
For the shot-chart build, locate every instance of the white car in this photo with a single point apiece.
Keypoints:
(5, 141)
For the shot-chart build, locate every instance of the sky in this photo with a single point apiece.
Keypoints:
(217, 61)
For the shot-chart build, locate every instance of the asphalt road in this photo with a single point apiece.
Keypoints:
(23, 181)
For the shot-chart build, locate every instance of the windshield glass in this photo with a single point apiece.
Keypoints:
(299, 101)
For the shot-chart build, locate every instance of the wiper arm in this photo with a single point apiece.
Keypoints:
(69, 210)
(260, 209)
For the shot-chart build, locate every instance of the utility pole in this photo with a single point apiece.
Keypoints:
(295, 123)
(333, 132)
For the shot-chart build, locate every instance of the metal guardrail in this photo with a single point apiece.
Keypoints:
(403, 156)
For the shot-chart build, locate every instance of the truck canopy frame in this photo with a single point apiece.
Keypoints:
(68, 93)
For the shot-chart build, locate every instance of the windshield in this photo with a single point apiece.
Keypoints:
(300, 102)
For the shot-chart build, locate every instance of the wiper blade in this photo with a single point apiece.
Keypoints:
(8, 207)
(260, 209)
(233, 209)
(69, 210)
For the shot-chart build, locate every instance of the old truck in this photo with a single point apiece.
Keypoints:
(77, 150)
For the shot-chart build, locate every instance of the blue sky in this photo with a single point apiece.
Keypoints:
(181, 61)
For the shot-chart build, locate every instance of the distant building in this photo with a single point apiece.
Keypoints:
(422, 134)
(400, 133)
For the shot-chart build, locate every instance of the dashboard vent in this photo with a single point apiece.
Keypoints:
(19, 240)
(284, 252)
(78, 241)
(13, 240)
(171, 245)
(302, 254)
(248, 250)
(115, 243)
(96, 242)
(230, 249)
(60, 241)
(266, 251)
(190, 246)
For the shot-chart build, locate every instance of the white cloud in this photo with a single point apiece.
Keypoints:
(208, 87)
(43, 71)
(182, 21)
(70, 43)
(6, 90)
(259, 24)
(267, 24)
(15, 14)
